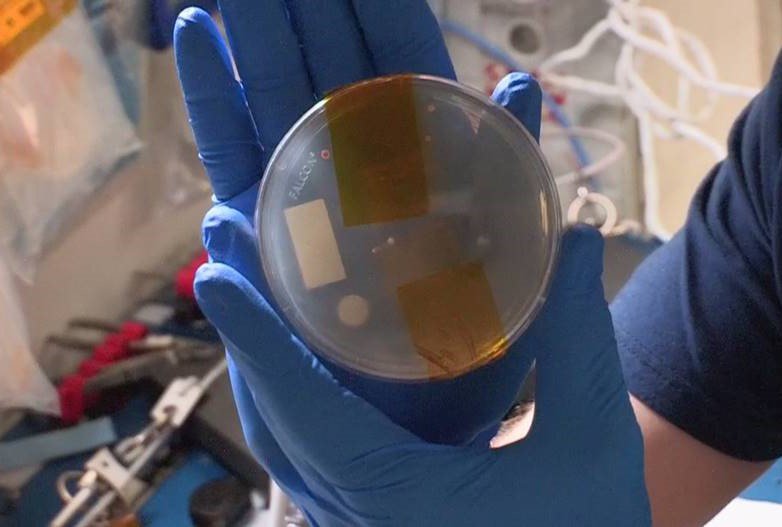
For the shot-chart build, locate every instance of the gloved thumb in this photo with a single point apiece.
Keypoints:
(520, 94)
(579, 377)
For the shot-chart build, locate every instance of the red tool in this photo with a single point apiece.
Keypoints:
(116, 346)
(183, 283)
(494, 73)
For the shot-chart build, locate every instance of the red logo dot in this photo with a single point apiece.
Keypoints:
(326, 155)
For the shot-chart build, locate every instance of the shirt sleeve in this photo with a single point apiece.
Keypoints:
(699, 325)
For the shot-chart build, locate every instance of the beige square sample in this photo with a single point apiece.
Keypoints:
(315, 244)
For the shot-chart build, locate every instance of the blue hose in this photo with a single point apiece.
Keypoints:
(498, 54)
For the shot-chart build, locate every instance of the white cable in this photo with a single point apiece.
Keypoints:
(697, 135)
(648, 32)
(699, 51)
(614, 156)
(591, 87)
(212, 375)
(651, 184)
(675, 39)
(677, 62)
(646, 144)
(580, 50)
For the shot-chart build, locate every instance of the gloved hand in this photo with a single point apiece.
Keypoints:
(281, 81)
(353, 451)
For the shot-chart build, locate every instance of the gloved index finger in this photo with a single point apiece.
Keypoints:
(315, 420)
(272, 69)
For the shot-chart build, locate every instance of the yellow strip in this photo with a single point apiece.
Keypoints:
(453, 319)
(23, 23)
(379, 158)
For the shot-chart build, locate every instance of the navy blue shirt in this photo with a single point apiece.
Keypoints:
(699, 326)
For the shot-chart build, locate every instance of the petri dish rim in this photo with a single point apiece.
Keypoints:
(305, 331)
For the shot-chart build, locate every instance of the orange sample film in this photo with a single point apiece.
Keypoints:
(453, 319)
(379, 161)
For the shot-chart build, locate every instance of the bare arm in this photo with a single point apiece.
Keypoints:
(688, 481)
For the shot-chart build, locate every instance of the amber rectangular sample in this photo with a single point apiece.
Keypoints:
(23, 23)
(378, 155)
(453, 319)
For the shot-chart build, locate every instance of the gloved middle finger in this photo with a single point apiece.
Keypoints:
(332, 43)
(269, 60)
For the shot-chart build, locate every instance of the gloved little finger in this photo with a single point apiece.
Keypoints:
(260, 440)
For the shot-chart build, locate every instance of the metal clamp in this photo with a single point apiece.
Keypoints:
(178, 401)
(112, 472)
(109, 476)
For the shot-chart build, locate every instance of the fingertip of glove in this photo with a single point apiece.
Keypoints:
(223, 225)
(521, 95)
(221, 293)
(191, 18)
(207, 282)
(212, 224)
(221, 217)
(196, 36)
(515, 84)
(198, 44)
(581, 256)
(191, 23)
(584, 236)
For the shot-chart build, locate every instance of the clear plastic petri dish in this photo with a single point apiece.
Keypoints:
(408, 228)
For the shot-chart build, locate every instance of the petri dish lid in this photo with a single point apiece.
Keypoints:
(408, 227)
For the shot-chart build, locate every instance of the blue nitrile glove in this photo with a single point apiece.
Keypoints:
(354, 451)
(280, 82)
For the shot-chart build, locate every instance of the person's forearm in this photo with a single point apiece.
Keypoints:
(688, 481)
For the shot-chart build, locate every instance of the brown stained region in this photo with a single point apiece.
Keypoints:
(23, 23)
(379, 158)
(453, 319)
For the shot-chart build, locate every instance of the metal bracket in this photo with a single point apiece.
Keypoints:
(112, 472)
(178, 401)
